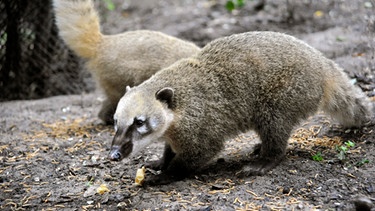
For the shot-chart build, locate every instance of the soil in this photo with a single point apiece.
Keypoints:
(53, 151)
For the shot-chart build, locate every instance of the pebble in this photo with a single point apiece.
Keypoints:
(121, 205)
(368, 4)
(370, 189)
(119, 197)
(286, 190)
(363, 204)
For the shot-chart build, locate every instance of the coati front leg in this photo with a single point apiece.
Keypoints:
(182, 164)
(168, 174)
(179, 168)
(164, 161)
(107, 111)
(274, 135)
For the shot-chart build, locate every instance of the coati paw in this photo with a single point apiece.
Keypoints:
(258, 167)
(161, 179)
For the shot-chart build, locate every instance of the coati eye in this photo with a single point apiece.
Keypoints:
(138, 122)
(141, 125)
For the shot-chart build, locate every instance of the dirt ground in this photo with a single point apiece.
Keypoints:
(53, 152)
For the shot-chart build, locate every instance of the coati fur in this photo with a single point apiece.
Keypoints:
(116, 60)
(264, 81)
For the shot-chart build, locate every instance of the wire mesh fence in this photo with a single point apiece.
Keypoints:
(34, 61)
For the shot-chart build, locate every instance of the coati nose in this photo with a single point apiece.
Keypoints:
(115, 155)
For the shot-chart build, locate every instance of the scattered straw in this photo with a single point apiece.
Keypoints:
(307, 139)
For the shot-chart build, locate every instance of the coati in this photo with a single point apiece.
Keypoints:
(116, 60)
(265, 81)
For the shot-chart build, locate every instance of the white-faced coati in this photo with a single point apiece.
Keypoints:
(265, 81)
(116, 60)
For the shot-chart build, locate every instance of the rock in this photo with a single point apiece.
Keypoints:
(363, 204)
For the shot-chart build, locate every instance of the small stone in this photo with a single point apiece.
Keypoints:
(368, 4)
(121, 205)
(119, 197)
(370, 189)
(363, 204)
(286, 190)
(66, 109)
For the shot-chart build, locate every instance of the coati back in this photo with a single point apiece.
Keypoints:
(265, 81)
(116, 60)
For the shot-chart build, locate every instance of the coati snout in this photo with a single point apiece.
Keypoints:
(140, 123)
(115, 154)
(121, 147)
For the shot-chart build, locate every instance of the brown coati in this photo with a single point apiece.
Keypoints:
(265, 81)
(116, 60)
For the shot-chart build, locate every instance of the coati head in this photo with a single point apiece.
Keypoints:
(141, 117)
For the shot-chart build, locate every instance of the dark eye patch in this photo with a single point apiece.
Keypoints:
(141, 125)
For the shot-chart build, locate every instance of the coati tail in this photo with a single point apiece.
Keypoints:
(78, 24)
(346, 102)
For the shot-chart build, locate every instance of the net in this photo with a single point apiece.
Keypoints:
(34, 61)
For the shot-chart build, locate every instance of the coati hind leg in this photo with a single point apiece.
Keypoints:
(274, 134)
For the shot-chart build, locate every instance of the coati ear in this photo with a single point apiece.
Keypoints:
(165, 95)
(127, 88)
